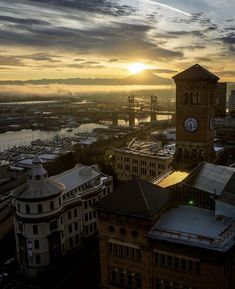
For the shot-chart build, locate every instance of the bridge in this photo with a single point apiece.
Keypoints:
(132, 110)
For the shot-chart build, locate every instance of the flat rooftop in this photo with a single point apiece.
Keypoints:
(76, 177)
(194, 226)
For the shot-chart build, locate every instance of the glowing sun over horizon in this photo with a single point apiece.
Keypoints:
(136, 67)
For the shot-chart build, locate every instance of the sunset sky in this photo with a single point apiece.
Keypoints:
(102, 38)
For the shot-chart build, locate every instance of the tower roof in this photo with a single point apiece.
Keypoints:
(38, 185)
(196, 72)
(137, 198)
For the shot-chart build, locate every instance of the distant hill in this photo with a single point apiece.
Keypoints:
(146, 77)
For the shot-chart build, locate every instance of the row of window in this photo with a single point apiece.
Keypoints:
(71, 227)
(90, 216)
(161, 284)
(75, 214)
(125, 279)
(176, 263)
(91, 228)
(39, 207)
(73, 241)
(89, 203)
(124, 251)
(136, 168)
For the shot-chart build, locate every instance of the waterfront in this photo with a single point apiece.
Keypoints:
(10, 139)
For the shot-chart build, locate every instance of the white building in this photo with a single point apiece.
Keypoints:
(141, 158)
(54, 214)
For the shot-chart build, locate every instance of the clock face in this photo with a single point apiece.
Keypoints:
(211, 123)
(191, 124)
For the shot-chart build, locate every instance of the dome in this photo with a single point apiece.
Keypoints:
(38, 185)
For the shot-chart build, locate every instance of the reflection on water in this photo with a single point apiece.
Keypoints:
(26, 136)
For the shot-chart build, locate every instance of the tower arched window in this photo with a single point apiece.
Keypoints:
(186, 98)
(191, 98)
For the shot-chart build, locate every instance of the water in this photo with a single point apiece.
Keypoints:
(10, 139)
(26, 136)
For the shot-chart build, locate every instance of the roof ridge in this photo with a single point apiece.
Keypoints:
(142, 193)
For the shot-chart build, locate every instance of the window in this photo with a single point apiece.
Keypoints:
(36, 244)
(86, 217)
(75, 213)
(53, 225)
(27, 209)
(114, 276)
(37, 259)
(71, 242)
(69, 215)
(158, 284)
(52, 205)
(124, 251)
(20, 226)
(76, 239)
(75, 226)
(39, 208)
(70, 228)
(35, 229)
(138, 281)
(121, 278)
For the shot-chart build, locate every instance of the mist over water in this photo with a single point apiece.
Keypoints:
(12, 92)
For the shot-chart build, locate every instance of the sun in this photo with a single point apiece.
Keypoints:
(136, 67)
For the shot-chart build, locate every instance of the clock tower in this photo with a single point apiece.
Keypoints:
(196, 98)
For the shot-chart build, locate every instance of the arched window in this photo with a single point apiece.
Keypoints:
(186, 98)
(191, 98)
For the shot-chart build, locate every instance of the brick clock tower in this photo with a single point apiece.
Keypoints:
(196, 99)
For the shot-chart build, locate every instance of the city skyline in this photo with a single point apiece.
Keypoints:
(99, 38)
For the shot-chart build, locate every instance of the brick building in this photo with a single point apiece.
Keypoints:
(170, 238)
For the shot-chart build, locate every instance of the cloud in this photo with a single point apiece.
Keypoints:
(113, 60)
(94, 6)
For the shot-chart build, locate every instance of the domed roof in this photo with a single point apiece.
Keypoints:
(38, 185)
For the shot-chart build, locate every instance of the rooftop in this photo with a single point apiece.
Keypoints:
(76, 177)
(171, 179)
(146, 148)
(136, 197)
(196, 72)
(212, 178)
(196, 227)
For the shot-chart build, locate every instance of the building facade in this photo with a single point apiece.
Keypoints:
(53, 215)
(196, 99)
(169, 238)
(177, 232)
(141, 158)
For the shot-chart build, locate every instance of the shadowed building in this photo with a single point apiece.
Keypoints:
(53, 215)
(179, 231)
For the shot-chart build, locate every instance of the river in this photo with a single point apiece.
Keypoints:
(26, 136)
